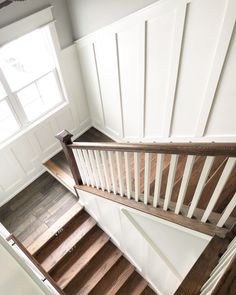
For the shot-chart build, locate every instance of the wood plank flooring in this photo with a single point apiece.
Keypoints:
(37, 208)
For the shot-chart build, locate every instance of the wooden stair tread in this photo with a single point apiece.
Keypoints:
(115, 278)
(93, 273)
(60, 174)
(135, 285)
(58, 225)
(58, 248)
(148, 291)
(80, 257)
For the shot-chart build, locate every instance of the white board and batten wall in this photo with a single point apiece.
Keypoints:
(165, 73)
(21, 157)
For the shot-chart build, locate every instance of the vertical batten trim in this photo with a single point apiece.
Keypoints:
(219, 56)
(136, 176)
(120, 89)
(99, 83)
(184, 183)
(147, 172)
(170, 181)
(219, 187)
(158, 178)
(178, 34)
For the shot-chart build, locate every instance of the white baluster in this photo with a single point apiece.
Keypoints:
(201, 182)
(82, 161)
(98, 162)
(112, 170)
(120, 176)
(158, 178)
(137, 176)
(219, 187)
(128, 174)
(170, 181)
(228, 210)
(184, 183)
(94, 168)
(105, 170)
(89, 168)
(81, 171)
(147, 173)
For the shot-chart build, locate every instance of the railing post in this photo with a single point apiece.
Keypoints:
(65, 139)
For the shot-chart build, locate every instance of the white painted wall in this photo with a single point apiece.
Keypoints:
(88, 16)
(21, 157)
(14, 280)
(164, 73)
(13, 273)
(162, 252)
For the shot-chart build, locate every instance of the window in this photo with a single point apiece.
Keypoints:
(8, 123)
(30, 86)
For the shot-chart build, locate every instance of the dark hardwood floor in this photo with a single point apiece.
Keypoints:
(35, 209)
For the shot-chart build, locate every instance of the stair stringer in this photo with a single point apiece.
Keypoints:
(162, 252)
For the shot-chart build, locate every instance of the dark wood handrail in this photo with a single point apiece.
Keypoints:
(203, 149)
(35, 262)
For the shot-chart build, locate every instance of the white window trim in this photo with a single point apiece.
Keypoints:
(26, 25)
(16, 30)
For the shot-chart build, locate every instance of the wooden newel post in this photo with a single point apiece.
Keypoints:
(65, 139)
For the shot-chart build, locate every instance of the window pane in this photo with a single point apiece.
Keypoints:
(2, 91)
(27, 58)
(8, 124)
(40, 97)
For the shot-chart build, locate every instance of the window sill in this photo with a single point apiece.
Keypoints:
(33, 125)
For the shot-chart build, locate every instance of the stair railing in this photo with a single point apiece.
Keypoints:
(194, 181)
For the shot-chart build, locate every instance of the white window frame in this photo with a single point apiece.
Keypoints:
(20, 28)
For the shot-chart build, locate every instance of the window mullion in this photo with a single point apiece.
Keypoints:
(14, 103)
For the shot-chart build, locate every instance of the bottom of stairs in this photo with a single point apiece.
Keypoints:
(81, 259)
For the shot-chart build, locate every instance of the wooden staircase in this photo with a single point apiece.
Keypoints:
(81, 259)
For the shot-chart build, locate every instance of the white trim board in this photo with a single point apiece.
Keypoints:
(25, 25)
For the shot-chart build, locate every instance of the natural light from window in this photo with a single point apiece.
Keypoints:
(8, 123)
(30, 85)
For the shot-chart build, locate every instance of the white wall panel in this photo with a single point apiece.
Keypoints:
(201, 32)
(67, 122)
(130, 62)
(106, 57)
(222, 116)
(10, 173)
(45, 139)
(24, 154)
(91, 83)
(170, 60)
(159, 49)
